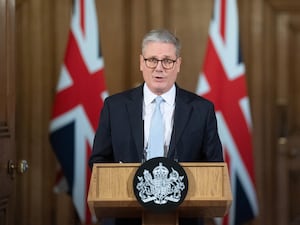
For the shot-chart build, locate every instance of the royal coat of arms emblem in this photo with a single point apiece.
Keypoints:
(160, 183)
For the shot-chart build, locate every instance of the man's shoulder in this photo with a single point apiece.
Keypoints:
(192, 97)
(126, 94)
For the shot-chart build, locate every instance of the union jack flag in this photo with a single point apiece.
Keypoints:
(223, 82)
(79, 98)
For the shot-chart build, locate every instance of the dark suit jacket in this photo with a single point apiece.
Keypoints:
(119, 137)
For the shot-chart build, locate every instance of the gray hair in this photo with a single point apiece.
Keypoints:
(164, 36)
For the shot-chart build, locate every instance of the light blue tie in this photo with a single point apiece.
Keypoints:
(156, 134)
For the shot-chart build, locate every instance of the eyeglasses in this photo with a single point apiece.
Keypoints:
(152, 63)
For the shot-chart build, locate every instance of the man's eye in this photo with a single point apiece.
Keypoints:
(152, 60)
(167, 61)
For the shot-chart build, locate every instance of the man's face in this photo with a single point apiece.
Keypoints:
(159, 79)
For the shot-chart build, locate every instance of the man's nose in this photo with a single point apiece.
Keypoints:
(159, 65)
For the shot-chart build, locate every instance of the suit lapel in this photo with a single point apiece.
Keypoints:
(181, 116)
(135, 107)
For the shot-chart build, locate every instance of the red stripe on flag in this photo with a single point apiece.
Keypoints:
(86, 88)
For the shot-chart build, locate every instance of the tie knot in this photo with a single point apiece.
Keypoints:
(158, 100)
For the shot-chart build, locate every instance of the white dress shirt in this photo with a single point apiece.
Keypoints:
(167, 110)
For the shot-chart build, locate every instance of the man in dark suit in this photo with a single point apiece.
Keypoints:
(190, 126)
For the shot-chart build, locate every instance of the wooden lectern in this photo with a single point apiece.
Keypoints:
(111, 193)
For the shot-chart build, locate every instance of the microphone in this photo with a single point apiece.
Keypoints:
(145, 152)
(175, 141)
(145, 147)
(175, 148)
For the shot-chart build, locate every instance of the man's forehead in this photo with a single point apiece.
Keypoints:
(160, 49)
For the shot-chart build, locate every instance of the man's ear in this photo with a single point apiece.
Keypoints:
(179, 59)
(141, 62)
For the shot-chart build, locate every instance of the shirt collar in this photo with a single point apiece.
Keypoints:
(169, 96)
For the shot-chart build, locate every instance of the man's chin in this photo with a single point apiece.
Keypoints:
(160, 89)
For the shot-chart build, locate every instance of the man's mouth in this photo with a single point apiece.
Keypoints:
(158, 77)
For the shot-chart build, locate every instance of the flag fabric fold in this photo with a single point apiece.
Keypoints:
(223, 81)
(80, 94)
